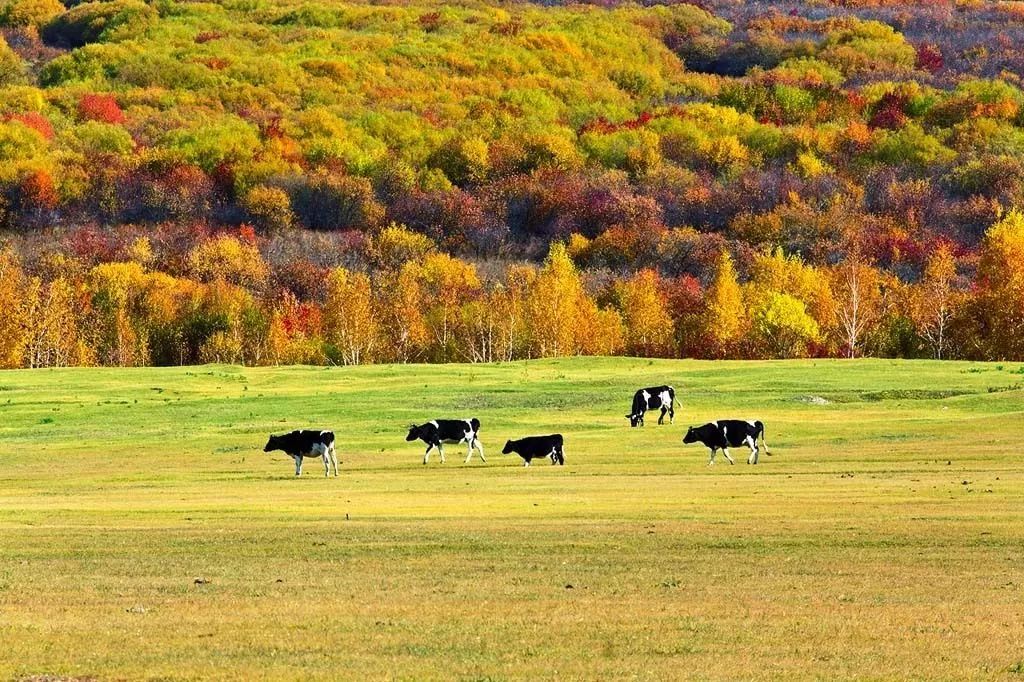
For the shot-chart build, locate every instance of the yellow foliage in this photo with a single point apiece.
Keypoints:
(396, 244)
(12, 303)
(724, 315)
(648, 326)
(350, 322)
(229, 259)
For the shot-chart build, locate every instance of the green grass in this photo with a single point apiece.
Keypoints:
(882, 539)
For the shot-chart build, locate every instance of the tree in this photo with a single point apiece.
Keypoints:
(402, 314)
(648, 326)
(13, 321)
(783, 327)
(936, 300)
(268, 209)
(725, 318)
(554, 304)
(336, 202)
(116, 291)
(395, 245)
(229, 259)
(447, 283)
(858, 294)
(351, 328)
(999, 304)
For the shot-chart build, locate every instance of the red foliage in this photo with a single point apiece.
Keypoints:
(91, 245)
(272, 129)
(37, 191)
(301, 318)
(35, 121)
(856, 100)
(100, 107)
(604, 126)
(306, 280)
(247, 233)
(207, 36)
(890, 112)
(431, 21)
(215, 63)
(929, 58)
(684, 295)
(223, 177)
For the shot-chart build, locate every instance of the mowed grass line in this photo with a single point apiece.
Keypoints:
(881, 540)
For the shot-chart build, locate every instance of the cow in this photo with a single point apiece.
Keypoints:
(438, 431)
(651, 399)
(537, 447)
(726, 433)
(299, 444)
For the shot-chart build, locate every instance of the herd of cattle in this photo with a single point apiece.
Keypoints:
(717, 435)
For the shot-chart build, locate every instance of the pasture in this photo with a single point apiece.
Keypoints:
(145, 535)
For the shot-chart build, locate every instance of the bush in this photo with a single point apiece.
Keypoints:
(268, 209)
(30, 12)
(93, 22)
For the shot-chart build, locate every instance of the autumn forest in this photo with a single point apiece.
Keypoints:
(345, 182)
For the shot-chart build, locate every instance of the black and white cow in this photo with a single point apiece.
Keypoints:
(651, 399)
(438, 431)
(537, 447)
(299, 444)
(726, 433)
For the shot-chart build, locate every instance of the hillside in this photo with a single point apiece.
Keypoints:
(872, 151)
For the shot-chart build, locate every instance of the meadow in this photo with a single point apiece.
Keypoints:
(145, 535)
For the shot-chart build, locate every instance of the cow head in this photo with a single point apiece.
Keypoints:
(691, 436)
(508, 448)
(414, 432)
(635, 420)
(272, 444)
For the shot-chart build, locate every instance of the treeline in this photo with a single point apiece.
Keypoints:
(419, 304)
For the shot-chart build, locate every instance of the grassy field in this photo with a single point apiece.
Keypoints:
(145, 535)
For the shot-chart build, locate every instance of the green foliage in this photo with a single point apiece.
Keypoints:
(91, 22)
(855, 46)
(783, 327)
(910, 146)
(12, 70)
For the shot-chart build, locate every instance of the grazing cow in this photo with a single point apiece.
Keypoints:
(537, 447)
(651, 399)
(299, 444)
(439, 431)
(726, 433)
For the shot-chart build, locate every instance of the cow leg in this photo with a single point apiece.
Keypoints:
(469, 453)
(480, 448)
(298, 464)
(672, 413)
(440, 448)
(661, 418)
(426, 455)
(327, 463)
(526, 461)
(725, 451)
(334, 459)
(714, 451)
(752, 457)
